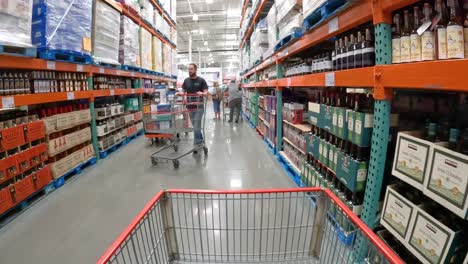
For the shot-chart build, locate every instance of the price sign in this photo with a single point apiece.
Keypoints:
(101, 70)
(112, 92)
(288, 81)
(133, 91)
(8, 102)
(330, 79)
(333, 25)
(118, 72)
(51, 65)
(70, 96)
(133, 74)
(79, 68)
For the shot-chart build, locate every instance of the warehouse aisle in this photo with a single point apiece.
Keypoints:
(77, 223)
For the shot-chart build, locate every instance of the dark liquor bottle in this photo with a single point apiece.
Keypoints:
(345, 53)
(396, 35)
(465, 29)
(352, 41)
(368, 50)
(339, 56)
(358, 51)
(453, 138)
(415, 49)
(334, 55)
(463, 145)
(405, 40)
(432, 132)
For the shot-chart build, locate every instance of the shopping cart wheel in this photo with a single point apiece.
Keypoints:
(205, 150)
(154, 161)
(176, 164)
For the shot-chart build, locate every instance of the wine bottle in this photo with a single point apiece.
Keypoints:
(396, 47)
(358, 51)
(431, 132)
(455, 42)
(453, 138)
(465, 30)
(351, 52)
(415, 49)
(345, 53)
(427, 38)
(339, 55)
(405, 40)
(368, 50)
(334, 55)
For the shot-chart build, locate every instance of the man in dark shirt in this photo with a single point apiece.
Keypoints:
(195, 85)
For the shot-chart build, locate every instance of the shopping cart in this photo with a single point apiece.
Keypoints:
(225, 106)
(176, 119)
(307, 225)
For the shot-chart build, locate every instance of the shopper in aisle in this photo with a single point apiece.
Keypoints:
(217, 96)
(195, 85)
(235, 100)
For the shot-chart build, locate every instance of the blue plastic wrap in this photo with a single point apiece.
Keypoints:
(62, 25)
(15, 23)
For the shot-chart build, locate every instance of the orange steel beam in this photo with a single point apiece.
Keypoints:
(244, 8)
(392, 5)
(254, 20)
(27, 63)
(363, 77)
(353, 16)
(163, 13)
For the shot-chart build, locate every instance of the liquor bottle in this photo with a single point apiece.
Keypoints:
(328, 64)
(465, 30)
(415, 49)
(405, 40)
(441, 29)
(334, 55)
(463, 145)
(431, 132)
(358, 51)
(455, 43)
(453, 138)
(339, 61)
(344, 59)
(396, 47)
(352, 41)
(427, 38)
(368, 50)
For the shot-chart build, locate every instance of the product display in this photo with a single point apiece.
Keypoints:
(106, 82)
(129, 50)
(106, 33)
(147, 12)
(157, 55)
(146, 51)
(15, 23)
(62, 25)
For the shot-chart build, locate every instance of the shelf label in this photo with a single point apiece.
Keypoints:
(8, 102)
(117, 72)
(330, 79)
(79, 68)
(112, 92)
(268, 83)
(133, 91)
(51, 65)
(133, 74)
(70, 96)
(147, 77)
(333, 25)
(101, 70)
(288, 82)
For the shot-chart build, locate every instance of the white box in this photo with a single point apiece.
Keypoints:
(432, 241)
(447, 181)
(411, 160)
(102, 130)
(398, 214)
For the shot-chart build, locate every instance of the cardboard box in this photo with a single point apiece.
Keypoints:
(432, 241)
(447, 180)
(411, 161)
(351, 123)
(326, 117)
(351, 172)
(12, 137)
(50, 124)
(398, 213)
(363, 125)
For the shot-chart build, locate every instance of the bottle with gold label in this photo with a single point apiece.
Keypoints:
(396, 47)
(441, 29)
(455, 39)
(405, 40)
(465, 30)
(415, 49)
(427, 38)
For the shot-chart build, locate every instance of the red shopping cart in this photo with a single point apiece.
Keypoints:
(307, 225)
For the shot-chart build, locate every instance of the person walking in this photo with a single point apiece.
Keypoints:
(217, 97)
(195, 85)
(234, 101)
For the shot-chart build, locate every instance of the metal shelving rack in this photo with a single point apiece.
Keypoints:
(446, 75)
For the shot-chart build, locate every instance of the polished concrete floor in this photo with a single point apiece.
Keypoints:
(77, 223)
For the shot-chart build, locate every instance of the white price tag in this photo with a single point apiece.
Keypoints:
(333, 25)
(133, 74)
(330, 79)
(286, 52)
(117, 72)
(288, 82)
(133, 91)
(79, 68)
(268, 83)
(101, 70)
(112, 92)
(70, 96)
(8, 102)
(51, 65)
(147, 77)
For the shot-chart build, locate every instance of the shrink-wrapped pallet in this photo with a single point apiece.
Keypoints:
(129, 51)
(106, 33)
(15, 23)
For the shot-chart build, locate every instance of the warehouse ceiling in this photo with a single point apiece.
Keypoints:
(213, 26)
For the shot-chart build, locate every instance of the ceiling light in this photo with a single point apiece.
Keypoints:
(205, 43)
(195, 17)
(208, 49)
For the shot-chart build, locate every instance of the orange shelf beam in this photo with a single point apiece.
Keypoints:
(442, 75)
(253, 21)
(31, 99)
(244, 9)
(27, 63)
(353, 16)
(164, 13)
(392, 5)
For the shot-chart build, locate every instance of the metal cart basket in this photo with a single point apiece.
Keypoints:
(176, 119)
(307, 225)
